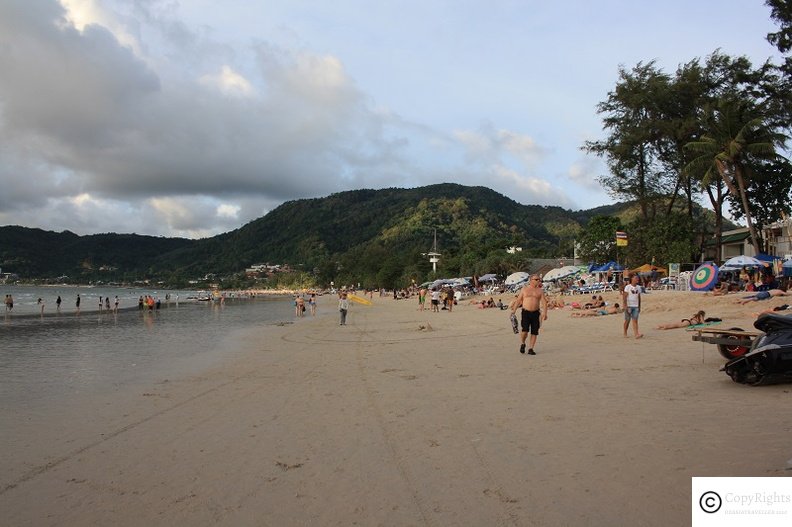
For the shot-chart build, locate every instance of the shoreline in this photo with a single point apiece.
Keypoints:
(405, 417)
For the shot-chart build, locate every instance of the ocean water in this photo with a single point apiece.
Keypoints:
(26, 298)
(45, 358)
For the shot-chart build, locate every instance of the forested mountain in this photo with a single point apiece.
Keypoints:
(375, 237)
(35, 253)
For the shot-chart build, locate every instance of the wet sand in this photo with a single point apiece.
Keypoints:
(381, 422)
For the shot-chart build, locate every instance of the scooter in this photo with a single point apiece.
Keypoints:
(769, 361)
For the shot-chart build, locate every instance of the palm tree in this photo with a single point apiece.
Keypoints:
(734, 137)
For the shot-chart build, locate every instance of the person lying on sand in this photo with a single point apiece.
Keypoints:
(597, 312)
(782, 307)
(762, 295)
(556, 303)
(696, 319)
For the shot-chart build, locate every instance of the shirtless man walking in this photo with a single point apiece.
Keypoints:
(530, 298)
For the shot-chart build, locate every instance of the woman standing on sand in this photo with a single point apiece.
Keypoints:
(312, 304)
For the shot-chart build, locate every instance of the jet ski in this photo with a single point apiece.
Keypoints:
(769, 361)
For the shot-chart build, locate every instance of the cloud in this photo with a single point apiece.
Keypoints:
(585, 171)
(508, 162)
(118, 116)
(78, 101)
(488, 144)
(229, 82)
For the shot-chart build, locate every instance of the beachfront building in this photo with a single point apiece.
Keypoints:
(779, 238)
(735, 243)
(777, 235)
(7, 278)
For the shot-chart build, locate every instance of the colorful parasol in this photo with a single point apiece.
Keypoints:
(704, 278)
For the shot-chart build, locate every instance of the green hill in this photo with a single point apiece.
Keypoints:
(374, 237)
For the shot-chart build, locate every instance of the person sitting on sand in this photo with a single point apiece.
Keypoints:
(597, 312)
(762, 295)
(696, 319)
(721, 289)
(595, 302)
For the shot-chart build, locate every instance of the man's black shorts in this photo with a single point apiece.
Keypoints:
(530, 321)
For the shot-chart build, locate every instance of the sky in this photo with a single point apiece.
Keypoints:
(191, 118)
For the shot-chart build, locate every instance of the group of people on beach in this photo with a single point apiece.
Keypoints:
(41, 303)
(488, 303)
(437, 297)
(534, 304)
(299, 304)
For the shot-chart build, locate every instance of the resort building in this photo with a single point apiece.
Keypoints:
(777, 235)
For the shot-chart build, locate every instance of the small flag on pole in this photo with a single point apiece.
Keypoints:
(621, 239)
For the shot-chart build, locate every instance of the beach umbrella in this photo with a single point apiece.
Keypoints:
(563, 272)
(517, 278)
(738, 262)
(704, 278)
(488, 278)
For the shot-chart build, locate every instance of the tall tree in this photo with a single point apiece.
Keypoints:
(632, 113)
(736, 138)
(772, 187)
(598, 242)
(781, 12)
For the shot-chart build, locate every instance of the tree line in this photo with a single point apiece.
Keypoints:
(715, 129)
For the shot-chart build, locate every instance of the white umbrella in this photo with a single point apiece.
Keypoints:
(517, 278)
(738, 262)
(563, 272)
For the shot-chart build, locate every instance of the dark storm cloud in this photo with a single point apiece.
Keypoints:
(83, 114)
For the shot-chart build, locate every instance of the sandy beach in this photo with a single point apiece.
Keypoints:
(381, 422)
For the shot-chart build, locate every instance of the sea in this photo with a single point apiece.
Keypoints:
(49, 355)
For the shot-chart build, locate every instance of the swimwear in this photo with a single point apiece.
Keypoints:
(530, 321)
(689, 322)
(602, 312)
